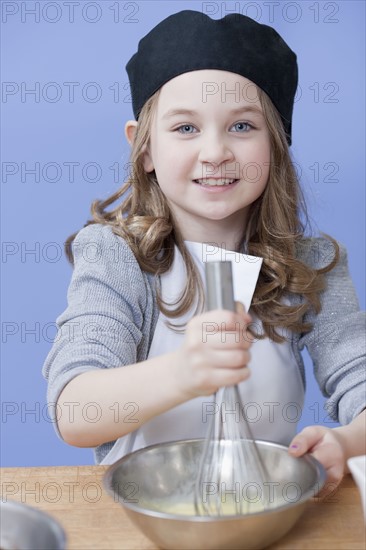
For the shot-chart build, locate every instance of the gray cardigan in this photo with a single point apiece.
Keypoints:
(112, 313)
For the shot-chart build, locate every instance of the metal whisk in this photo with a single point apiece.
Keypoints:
(231, 474)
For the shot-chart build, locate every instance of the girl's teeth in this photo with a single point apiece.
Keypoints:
(213, 182)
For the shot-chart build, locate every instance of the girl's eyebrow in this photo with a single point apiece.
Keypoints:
(243, 109)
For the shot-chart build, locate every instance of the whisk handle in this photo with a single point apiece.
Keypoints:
(219, 283)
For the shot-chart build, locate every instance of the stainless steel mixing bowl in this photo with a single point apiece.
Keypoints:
(25, 528)
(150, 481)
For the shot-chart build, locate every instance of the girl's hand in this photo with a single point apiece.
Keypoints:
(324, 444)
(215, 352)
(332, 446)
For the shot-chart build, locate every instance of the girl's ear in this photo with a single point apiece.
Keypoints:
(147, 160)
(130, 131)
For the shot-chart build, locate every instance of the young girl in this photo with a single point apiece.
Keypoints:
(137, 360)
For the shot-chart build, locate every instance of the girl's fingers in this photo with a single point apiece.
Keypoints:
(239, 307)
(223, 377)
(306, 440)
(227, 359)
(225, 319)
(322, 443)
(221, 341)
(216, 349)
(221, 328)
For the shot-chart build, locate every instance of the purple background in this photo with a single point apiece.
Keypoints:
(93, 46)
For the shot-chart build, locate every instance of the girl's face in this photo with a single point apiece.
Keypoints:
(209, 128)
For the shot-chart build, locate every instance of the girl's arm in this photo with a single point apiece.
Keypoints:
(337, 348)
(99, 380)
(337, 344)
(353, 437)
(128, 396)
(125, 397)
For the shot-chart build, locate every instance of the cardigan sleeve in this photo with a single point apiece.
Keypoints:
(103, 322)
(337, 342)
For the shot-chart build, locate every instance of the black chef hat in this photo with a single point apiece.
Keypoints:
(190, 40)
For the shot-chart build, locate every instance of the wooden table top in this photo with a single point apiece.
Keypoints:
(75, 496)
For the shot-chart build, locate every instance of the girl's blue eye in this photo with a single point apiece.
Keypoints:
(245, 126)
(184, 127)
(242, 127)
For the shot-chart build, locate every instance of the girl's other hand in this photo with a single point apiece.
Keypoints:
(332, 446)
(215, 351)
(327, 446)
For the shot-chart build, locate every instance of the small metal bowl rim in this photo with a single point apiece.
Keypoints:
(107, 479)
(37, 514)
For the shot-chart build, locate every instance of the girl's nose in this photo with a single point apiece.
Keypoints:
(214, 150)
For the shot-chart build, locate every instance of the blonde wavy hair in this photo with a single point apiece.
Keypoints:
(274, 232)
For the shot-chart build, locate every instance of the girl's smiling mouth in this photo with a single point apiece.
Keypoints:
(216, 185)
